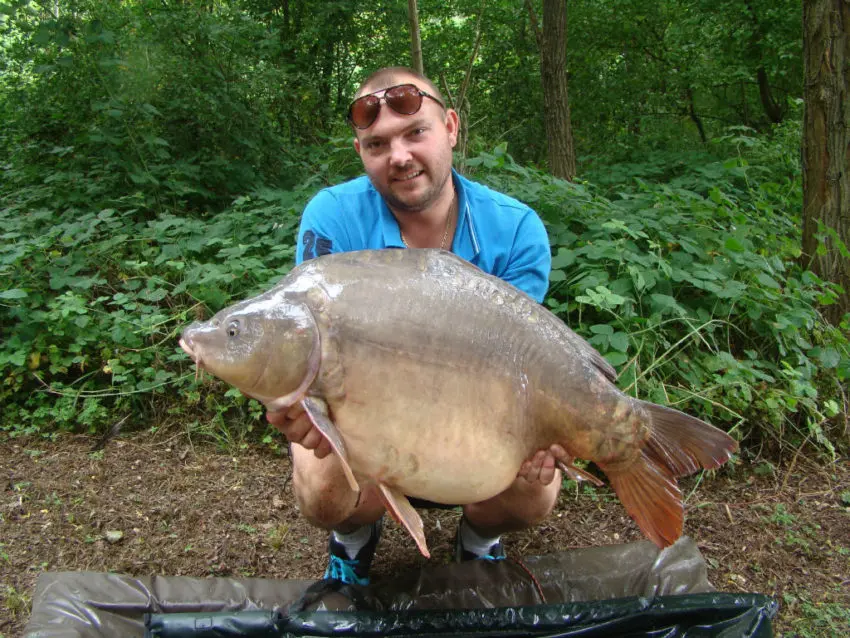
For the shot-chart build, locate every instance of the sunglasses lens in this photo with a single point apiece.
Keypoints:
(364, 111)
(404, 99)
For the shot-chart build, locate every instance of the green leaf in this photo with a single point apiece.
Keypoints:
(564, 258)
(829, 357)
(602, 329)
(666, 303)
(734, 245)
(616, 358)
(557, 275)
(766, 280)
(731, 290)
(14, 293)
(619, 341)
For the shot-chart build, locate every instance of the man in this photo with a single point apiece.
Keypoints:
(411, 197)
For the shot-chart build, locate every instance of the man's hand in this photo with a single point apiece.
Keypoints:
(540, 468)
(296, 426)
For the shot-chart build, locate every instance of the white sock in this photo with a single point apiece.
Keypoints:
(354, 541)
(474, 543)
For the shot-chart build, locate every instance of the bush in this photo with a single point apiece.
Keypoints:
(692, 290)
(689, 288)
(97, 299)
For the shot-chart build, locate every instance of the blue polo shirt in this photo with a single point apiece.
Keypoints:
(497, 233)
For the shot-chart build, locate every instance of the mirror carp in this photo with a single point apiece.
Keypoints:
(436, 380)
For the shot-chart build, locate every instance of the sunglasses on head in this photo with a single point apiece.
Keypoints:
(405, 99)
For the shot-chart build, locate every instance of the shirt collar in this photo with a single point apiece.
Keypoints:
(465, 242)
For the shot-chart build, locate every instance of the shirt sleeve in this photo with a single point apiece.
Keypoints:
(321, 231)
(531, 258)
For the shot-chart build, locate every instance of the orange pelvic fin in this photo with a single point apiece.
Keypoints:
(405, 514)
(679, 445)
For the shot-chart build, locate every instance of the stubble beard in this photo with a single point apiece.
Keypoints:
(423, 202)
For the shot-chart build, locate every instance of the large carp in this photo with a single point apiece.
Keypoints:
(433, 379)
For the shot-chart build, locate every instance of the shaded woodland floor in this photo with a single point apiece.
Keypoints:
(172, 507)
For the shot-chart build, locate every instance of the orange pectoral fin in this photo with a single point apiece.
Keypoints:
(318, 413)
(405, 514)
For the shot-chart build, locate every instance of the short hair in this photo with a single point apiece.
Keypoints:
(390, 75)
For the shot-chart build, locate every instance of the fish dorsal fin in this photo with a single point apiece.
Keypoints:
(406, 515)
(603, 366)
(317, 410)
(589, 354)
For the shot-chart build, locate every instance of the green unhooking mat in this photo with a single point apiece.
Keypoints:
(623, 590)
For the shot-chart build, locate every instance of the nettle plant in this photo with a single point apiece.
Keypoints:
(694, 294)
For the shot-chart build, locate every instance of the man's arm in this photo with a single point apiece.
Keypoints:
(322, 230)
(528, 269)
(531, 258)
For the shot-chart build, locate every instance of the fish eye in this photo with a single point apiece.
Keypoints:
(233, 328)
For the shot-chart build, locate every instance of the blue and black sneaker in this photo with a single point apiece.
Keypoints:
(352, 571)
(497, 550)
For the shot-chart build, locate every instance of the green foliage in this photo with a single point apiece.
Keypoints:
(692, 290)
(156, 156)
(816, 619)
(98, 298)
(174, 107)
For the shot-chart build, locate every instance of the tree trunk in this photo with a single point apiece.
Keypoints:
(415, 39)
(552, 42)
(826, 169)
(771, 108)
(695, 118)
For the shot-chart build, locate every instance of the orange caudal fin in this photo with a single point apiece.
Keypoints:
(685, 444)
(650, 495)
(678, 445)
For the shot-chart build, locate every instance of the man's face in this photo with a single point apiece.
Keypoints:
(408, 158)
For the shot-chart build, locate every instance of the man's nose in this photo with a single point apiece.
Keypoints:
(399, 152)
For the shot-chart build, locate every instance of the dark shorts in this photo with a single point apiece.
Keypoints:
(422, 504)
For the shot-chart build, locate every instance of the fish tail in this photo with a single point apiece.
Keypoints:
(678, 445)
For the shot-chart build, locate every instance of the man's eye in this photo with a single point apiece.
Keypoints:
(374, 145)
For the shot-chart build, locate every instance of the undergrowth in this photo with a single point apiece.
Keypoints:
(692, 290)
(689, 287)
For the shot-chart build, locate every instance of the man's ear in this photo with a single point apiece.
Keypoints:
(452, 125)
(356, 145)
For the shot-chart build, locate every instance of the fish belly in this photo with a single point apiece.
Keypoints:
(435, 431)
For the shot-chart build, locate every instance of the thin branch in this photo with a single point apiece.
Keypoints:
(535, 25)
(468, 76)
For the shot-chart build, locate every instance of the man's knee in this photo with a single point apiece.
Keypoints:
(537, 510)
(323, 495)
(533, 509)
(515, 509)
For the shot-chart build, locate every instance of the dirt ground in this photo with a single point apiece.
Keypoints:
(187, 509)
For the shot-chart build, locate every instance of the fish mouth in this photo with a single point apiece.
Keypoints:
(195, 356)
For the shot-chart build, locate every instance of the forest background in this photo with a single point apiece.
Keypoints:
(689, 159)
(156, 157)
